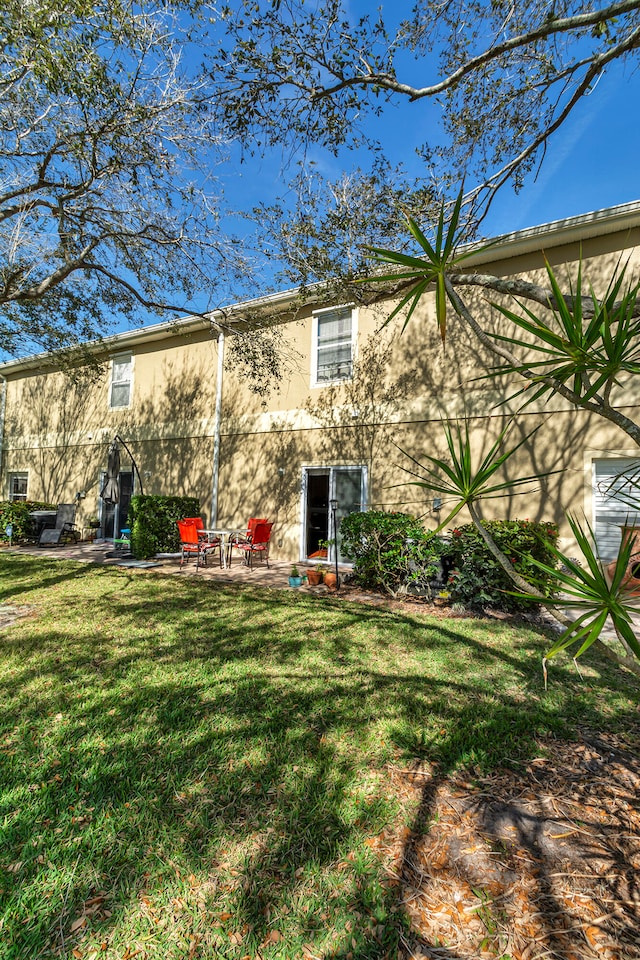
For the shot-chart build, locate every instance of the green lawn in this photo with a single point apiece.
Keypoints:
(193, 770)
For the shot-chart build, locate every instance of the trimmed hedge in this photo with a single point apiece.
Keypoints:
(477, 579)
(391, 552)
(16, 512)
(153, 523)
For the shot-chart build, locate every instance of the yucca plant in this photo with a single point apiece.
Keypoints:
(464, 484)
(585, 354)
(439, 257)
(460, 480)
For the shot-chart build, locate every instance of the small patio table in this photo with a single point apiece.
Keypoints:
(224, 536)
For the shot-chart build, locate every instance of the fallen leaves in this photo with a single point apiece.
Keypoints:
(527, 864)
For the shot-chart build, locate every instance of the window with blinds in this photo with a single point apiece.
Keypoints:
(120, 395)
(333, 348)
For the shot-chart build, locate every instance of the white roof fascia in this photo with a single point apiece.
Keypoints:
(506, 246)
(626, 216)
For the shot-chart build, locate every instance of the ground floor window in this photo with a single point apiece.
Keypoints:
(616, 502)
(18, 483)
(347, 486)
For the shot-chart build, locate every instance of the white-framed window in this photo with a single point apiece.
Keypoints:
(18, 484)
(333, 345)
(121, 381)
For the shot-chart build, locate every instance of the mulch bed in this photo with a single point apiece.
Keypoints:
(539, 863)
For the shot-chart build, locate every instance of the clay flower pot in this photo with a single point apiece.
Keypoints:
(314, 577)
(331, 581)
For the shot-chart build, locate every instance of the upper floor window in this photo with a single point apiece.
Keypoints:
(121, 370)
(18, 486)
(334, 334)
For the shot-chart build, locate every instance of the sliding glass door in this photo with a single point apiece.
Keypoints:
(348, 487)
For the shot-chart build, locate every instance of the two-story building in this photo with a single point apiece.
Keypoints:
(353, 402)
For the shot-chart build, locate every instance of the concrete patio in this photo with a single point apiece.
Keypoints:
(103, 552)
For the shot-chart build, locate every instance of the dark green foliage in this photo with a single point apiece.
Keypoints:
(478, 580)
(16, 512)
(391, 552)
(153, 523)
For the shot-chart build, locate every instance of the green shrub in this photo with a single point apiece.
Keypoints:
(391, 552)
(16, 512)
(153, 523)
(476, 579)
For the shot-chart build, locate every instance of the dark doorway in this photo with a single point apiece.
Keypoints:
(317, 528)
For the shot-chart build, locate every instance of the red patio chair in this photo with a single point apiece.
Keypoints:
(259, 544)
(199, 526)
(247, 537)
(253, 523)
(192, 546)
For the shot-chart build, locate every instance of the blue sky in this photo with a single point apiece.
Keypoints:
(591, 163)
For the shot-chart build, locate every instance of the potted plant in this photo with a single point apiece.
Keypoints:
(331, 580)
(295, 580)
(315, 576)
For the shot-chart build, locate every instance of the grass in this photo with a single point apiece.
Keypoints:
(190, 769)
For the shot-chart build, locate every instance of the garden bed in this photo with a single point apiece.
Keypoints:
(542, 862)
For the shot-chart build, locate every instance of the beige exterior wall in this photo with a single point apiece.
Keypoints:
(59, 429)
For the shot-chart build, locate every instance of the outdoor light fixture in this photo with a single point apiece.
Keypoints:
(437, 504)
(334, 507)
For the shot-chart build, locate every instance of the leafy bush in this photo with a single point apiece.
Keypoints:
(391, 552)
(153, 523)
(16, 512)
(477, 579)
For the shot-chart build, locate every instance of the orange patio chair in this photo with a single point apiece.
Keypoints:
(199, 526)
(191, 545)
(259, 544)
(247, 537)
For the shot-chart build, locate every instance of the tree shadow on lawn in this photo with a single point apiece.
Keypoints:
(31, 574)
(211, 765)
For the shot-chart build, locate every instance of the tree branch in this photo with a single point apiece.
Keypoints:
(548, 28)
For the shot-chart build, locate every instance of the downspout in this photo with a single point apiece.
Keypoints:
(3, 411)
(216, 432)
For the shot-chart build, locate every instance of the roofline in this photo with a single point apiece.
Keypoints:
(598, 223)
(506, 246)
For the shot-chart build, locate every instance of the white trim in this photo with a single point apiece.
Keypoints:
(607, 541)
(120, 358)
(328, 468)
(314, 382)
(598, 223)
(17, 473)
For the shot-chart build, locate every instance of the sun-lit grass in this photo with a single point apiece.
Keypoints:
(194, 770)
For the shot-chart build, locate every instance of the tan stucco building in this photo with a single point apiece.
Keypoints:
(352, 402)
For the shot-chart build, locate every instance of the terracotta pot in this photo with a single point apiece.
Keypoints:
(314, 577)
(331, 581)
